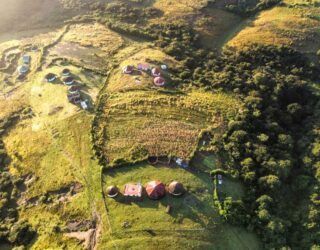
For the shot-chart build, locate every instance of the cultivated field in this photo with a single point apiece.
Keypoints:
(160, 123)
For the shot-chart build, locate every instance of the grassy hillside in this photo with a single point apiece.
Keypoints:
(293, 23)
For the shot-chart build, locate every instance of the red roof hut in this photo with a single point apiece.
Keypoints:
(133, 190)
(155, 72)
(128, 69)
(159, 81)
(155, 190)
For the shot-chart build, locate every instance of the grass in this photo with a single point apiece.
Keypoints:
(57, 162)
(285, 25)
(94, 48)
(161, 123)
(94, 35)
(215, 26)
(178, 7)
(194, 223)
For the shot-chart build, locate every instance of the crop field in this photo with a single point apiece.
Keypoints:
(286, 25)
(160, 123)
(193, 222)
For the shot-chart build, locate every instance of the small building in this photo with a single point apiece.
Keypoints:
(156, 72)
(128, 69)
(84, 105)
(6, 80)
(68, 80)
(159, 81)
(143, 67)
(155, 190)
(21, 77)
(164, 67)
(133, 190)
(182, 163)
(26, 59)
(34, 48)
(112, 191)
(66, 72)
(74, 97)
(176, 188)
(23, 69)
(73, 89)
(50, 77)
(220, 179)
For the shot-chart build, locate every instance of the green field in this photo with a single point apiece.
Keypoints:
(194, 222)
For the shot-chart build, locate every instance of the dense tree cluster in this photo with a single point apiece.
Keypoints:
(262, 142)
(126, 13)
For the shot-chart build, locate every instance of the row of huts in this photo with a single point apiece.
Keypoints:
(154, 190)
(74, 95)
(24, 68)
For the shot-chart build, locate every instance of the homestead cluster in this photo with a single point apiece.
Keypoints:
(153, 189)
(74, 95)
(74, 90)
(158, 79)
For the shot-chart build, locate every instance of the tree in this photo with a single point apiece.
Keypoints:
(270, 182)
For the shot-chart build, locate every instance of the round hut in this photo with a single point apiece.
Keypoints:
(159, 81)
(66, 72)
(50, 77)
(68, 80)
(23, 69)
(73, 89)
(156, 72)
(155, 190)
(112, 191)
(176, 188)
(128, 69)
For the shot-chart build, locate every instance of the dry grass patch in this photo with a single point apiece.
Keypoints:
(94, 35)
(179, 7)
(297, 27)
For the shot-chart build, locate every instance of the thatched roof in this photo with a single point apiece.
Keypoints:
(50, 77)
(176, 188)
(66, 72)
(68, 80)
(112, 191)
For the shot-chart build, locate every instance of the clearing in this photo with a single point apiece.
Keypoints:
(193, 223)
